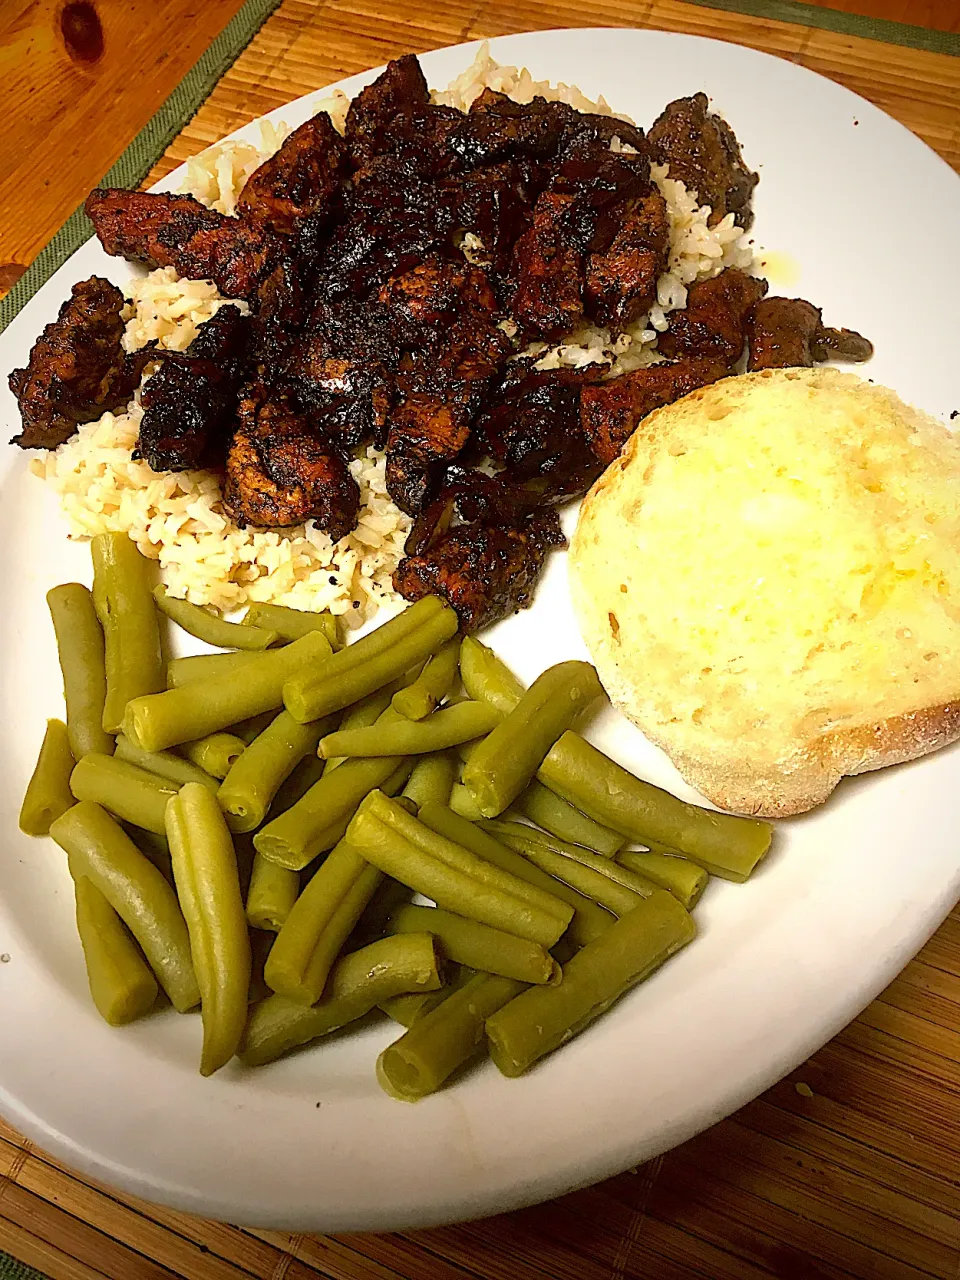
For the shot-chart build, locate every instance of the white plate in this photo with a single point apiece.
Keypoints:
(848, 895)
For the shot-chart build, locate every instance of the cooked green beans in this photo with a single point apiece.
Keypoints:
(685, 880)
(478, 945)
(247, 730)
(291, 624)
(585, 777)
(207, 626)
(444, 1038)
(128, 792)
(463, 803)
(206, 666)
(208, 886)
(500, 768)
(132, 656)
(431, 779)
(542, 1018)
(48, 792)
(121, 984)
(411, 1006)
(164, 764)
(319, 924)
(729, 864)
(202, 707)
(271, 894)
(509, 832)
(215, 754)
(487, 678)
(589, 880)
(247, 791)
(547, 810)
(589, 919)
(98, 848)
(442, 729)
(452, 876)
(357, 984)
(363, 713)
(432, 684)
(307, 772)
(82, 663)
(368, 664)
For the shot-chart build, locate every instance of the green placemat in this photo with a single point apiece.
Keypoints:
(11, 1269)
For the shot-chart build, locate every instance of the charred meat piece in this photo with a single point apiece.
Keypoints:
(190, 402)
(280, 307)
(610, 411)
(532, 428)
(423, 140)
(303, 179)
(548, 299)
(787, 333)
(77, 368)
(428, 429)
(622, 282)
(281, 472)
(713, 322)
(496, 204)
(177, 231)
(561, 125)
(603, 186)
(703, 153)
(841, 344)
(399, 89)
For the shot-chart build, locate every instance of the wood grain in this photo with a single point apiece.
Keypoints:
(851, 1165)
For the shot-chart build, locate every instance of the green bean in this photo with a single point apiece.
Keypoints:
(442, 729)
(463, 803)
(500, 768)
(589, 919)
(368, 664)
(207, 666)
(261, 940)
(98, 848)
(540, 805)
(215, 754)
(208, 886)
(307, 772)
(410, 1007)
(48, 792)
(453, 877)
(247, 791)
(585, 777)
(121, 984)
(271, 894)
(431, 779)
(613, 870)
(481, 947)
(444, 1038)
(209, 627)
(319, 924)
(291, 624)
(729, 865)
(128, 792)
(80, 646)
(152, 846)
(542, 1018)
(164, 764)
(486, 678)
(586, 880)
(202, 707)
(685, 880)
(132, 655)
(247, 730)
(363, 713)
(357, 984)
(432, 685)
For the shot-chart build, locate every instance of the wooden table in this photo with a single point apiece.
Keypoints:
(851, 1165)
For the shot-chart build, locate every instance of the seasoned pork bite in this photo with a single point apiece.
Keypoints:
(548, 299)
(179, 232)
(704, 154)
(713, 323)
(496, 205)
(610, 411)
(302, 180)
(603, 186)
(77, 368)
(788, 333)
(621, 282)
(190, 402)
(396, 91)
(281, 471)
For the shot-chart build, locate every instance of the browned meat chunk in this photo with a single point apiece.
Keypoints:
(610, 411)
(787, 333)
(622, 282)
(603, 186)
(191, 399)
(281, 472)
(77, 368)
(496, 204)
(302, 180)
(714, 319)
(178, 232)
(399, 89)
(548, 300)
(546, 128)
(703, 153)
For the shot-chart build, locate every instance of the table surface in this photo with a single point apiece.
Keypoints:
(851, 1165)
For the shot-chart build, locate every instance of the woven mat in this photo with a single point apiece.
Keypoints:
(849, 1167)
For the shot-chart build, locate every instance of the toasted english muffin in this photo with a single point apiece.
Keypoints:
(768, 580)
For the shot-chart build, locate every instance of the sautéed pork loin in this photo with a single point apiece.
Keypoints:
(401, 282)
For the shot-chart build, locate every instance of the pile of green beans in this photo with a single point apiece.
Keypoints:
(283, 800)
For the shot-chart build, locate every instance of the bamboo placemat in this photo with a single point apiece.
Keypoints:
(851, 1165)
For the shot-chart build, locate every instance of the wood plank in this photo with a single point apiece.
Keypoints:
(40, 1254)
